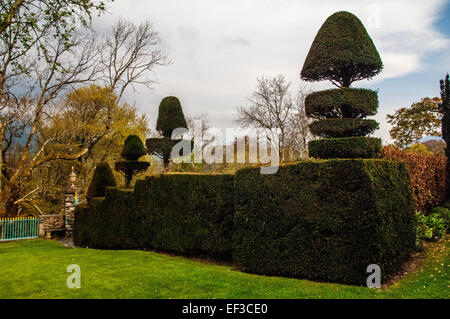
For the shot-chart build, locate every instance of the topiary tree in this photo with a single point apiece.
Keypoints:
(170, 117)
(444, 108)
(132, 150)
(342, 53)
(103, 177)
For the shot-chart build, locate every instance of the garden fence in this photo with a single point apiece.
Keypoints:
(19, 228)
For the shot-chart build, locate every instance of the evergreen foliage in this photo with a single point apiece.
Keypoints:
(342, 52)
(133, 148)
(103, 177)
(445, 110)
(170, 117)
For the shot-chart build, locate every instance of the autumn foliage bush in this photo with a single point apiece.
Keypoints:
(427, 174)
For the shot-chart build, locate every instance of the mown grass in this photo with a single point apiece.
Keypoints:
(37, 269)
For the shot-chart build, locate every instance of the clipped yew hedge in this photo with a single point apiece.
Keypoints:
(182, 213)
(342, 102)
(345, 127)
(187, 213)
(319, 219)
(108, 222)
(324, 220)
(345, 147)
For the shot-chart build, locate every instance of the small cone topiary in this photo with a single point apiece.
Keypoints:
(133, 148)
(342, 53)
(103, 177)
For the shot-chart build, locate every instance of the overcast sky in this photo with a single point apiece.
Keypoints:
(220, 47)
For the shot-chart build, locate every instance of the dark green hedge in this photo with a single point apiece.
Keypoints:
(346, 127)
(108, 222)
(324, 220)
(103, 177)
(187, 213)
(181, 213)
(344, 102)
(345, 147)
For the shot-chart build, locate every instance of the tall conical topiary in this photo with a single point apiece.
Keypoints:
(132, 150)
(103, 177)
(342, 53)
(170, 117)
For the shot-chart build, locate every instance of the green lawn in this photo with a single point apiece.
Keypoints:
(37, 269)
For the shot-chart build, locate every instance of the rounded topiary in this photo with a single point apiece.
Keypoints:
(170, 116)
(133, 148)
(339, 103)
(342, 52)
(103, 177)
(346, 127)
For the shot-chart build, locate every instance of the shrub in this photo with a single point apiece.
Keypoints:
(344, 102)
(346, 127)
(419, 148)
(170, 117)
(103, 177)
(324, 220)
(348, 147)
(133, 148)
(342, 51)
(444, 214)
(427, 173)
(182, 213)
(433, 226)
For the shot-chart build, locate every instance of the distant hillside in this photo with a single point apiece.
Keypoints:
(435, 146)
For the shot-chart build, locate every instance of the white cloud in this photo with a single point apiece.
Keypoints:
(219, 48)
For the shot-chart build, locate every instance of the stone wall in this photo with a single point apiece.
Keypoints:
(49, 223)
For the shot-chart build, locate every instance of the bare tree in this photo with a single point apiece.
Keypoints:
(203, 122)
(273, 107)
(65, 66)
(299, 133)
(129, 54)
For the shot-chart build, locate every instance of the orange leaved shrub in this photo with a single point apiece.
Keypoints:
(427, 175)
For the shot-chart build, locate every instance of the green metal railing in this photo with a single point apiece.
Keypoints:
(19, 228)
